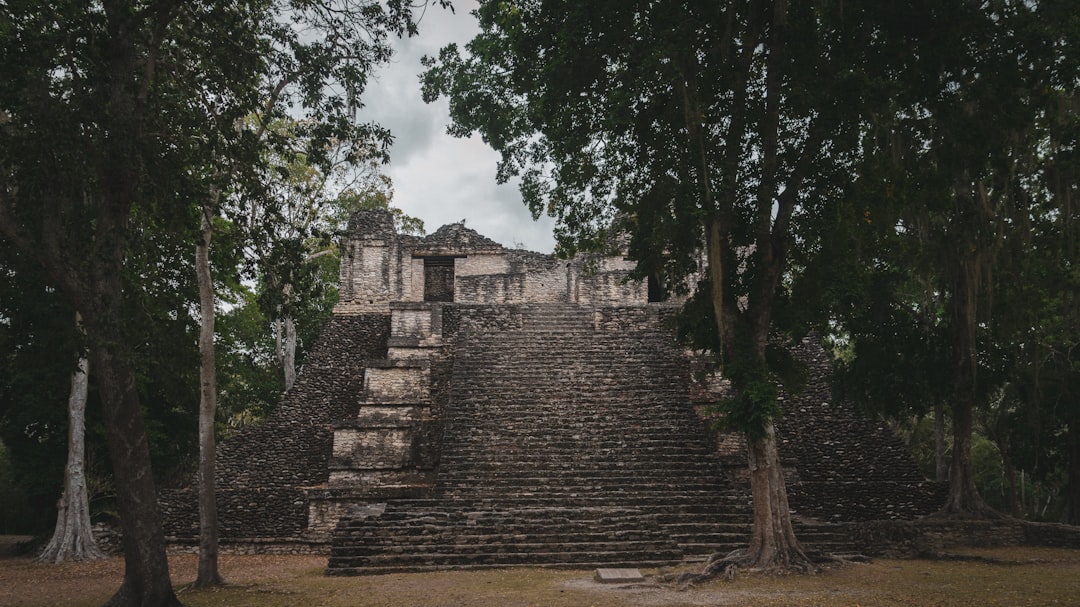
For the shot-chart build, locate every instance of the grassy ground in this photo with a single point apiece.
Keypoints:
(1022, 576)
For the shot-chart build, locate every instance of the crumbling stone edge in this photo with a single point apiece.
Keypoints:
(931, 536)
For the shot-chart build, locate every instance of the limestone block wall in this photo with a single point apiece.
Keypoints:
(266, 470)
(406, 381)
(390, 447)
(852, 467)
(415, 324)
(380, 266)
(372, 264)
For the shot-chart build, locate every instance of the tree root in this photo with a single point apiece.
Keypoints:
(727, 566)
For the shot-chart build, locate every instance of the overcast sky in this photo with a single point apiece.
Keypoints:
(439, 178)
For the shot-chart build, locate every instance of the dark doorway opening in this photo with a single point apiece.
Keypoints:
(439, 279)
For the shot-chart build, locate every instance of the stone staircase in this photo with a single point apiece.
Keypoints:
(566, 443)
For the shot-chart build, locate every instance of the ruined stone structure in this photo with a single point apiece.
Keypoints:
(470, 405)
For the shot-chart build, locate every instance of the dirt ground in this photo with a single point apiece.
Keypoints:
(1000, 577)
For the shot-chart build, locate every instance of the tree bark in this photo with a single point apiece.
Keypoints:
(288, 348)
(941, 468)
(964, 499)
(208, 574)
(963, 307)
(773, 544)
(289, 355)
(146, 568)
(73, 538)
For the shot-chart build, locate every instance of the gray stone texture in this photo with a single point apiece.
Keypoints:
(539, 414)
(265, 470)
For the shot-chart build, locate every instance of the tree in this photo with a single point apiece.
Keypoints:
(705, 130)
(92, 84)
(73, 538)
(1037, 291)
(948, 185)
(208, 574)
(294, 219)
(103, 131)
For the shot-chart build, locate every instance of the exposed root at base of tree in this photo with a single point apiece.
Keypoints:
(727, 566)
(216, 580)
(222, 583)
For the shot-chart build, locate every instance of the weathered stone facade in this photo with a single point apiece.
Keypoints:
(456, 264)
(266, 471)
(471, 401)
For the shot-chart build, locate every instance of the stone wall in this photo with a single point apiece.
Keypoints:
(851, 467)
(840, 465)
(933, 536)
(266, 470)
(365, 422)
(457, 264)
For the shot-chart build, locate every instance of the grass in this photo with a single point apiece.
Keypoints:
(1020, 576)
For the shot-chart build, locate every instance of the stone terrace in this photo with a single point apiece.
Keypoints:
(266, 470)
(847, 467)
(475, 406)
(569, 440)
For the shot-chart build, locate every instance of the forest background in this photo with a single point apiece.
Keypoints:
(969, 138)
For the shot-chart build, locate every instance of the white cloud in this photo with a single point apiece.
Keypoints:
(439, 178)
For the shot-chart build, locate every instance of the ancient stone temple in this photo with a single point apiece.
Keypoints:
(470, 405)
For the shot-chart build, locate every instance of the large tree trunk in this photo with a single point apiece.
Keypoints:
(289, 354)
(73, 539)
(146, 568)
(773, 544)
(208, 574)
(941, 466)
(964, 499)
(963, 309)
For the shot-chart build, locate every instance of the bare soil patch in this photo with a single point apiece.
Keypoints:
(1017, 576)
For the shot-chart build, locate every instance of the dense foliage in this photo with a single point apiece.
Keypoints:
(899, 176)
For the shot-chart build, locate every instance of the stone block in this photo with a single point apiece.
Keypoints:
(388, 384)
(618, 576)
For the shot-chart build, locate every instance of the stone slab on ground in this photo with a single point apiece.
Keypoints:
(619, 576)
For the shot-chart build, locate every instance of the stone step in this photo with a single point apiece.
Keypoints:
(473, 512)
(688, 456)
(562, 450)
(658, 502)
(500, 562)
(609, 477)
(488, 531)
(518, 439)
(574, 483)
(469, 547)
(562, 445)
